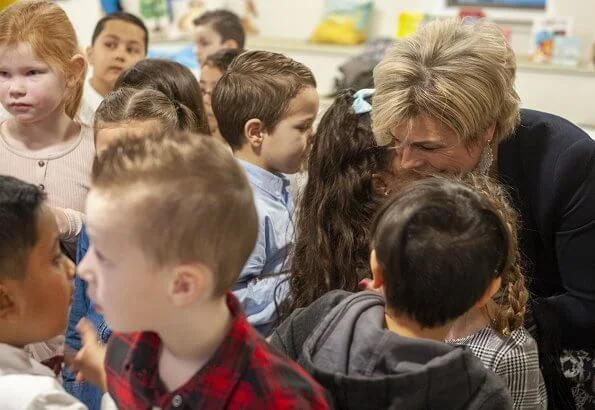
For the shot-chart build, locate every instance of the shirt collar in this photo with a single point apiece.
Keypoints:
(14, 360)
(233, 356)
(273, 183)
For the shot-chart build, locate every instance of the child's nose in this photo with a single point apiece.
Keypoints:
(70, 268)
(17, 87)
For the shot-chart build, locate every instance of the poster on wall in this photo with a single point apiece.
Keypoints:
(525, 4)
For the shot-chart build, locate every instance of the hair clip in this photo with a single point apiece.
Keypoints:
(360, 105)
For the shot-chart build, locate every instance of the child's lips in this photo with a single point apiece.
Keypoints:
(19, 106)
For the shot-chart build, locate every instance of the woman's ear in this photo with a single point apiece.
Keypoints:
(493, 287)
(254, 132)
(489, 134)
(230, 43)
(77, 66)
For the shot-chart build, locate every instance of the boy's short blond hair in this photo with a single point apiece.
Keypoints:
(190, 199)
(457, 73)
(257, 84)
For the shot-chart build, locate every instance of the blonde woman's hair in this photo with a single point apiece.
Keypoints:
(459, 74)
(46, 28)
(511, 299)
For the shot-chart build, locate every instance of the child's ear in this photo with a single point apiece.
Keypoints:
(9, 308)
(77, 69)
(377, 275)
(253, 131)
(381, 182)
(189, 283)
(493, 287)
(230, 43)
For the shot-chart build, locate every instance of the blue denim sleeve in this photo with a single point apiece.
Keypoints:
(79, 308)
(80, 302)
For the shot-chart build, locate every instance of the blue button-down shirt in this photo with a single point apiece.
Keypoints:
(262, 286)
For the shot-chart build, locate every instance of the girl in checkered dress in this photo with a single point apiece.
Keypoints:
(495, 333)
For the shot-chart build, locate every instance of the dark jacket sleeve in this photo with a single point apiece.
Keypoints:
(575, 248)
(291, 334)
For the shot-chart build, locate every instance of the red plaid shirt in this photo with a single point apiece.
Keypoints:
(244, 373)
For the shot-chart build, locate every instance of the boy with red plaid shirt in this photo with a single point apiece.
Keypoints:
(172, 222)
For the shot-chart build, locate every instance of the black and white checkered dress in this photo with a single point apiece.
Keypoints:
(515, 359)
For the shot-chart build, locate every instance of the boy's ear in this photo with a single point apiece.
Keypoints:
(77, 69)
(253, 131)
(189, 283)
(493, 287)
(377, 275)
(230, 43)
(9, 308)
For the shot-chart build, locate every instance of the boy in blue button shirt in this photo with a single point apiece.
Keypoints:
(265, 105)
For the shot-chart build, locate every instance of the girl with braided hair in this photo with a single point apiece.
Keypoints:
(495, 333)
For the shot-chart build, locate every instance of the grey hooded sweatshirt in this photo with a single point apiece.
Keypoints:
(365, 366)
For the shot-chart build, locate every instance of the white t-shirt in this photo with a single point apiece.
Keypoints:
(27, 384)
(89, 104)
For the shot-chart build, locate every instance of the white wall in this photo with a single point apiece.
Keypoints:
(297, 18)
(84, 15)
(557, 92)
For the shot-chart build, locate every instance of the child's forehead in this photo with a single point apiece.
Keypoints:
(108, 208)
(19, 51)
(206, 30)
(305, 103)
(122, 29)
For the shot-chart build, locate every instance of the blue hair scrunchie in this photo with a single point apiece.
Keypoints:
(360, 105)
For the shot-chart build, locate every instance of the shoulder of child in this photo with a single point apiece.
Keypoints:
(35, 392)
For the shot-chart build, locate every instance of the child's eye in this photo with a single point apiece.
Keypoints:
(111, 45)
(133, 50)
(4, 74)
(33, 72)
(204, 43)
(304, 128)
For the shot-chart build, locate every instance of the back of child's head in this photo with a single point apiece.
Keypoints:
(20, 207)
(124, 17)
(201, 206)
(257, 84)
(172, 79)
(222, 59)
(45, 27)
(226, 23)
(439, 244)
(127, 105)
(337, 205)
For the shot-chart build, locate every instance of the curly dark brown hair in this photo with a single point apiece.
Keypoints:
(337, 205)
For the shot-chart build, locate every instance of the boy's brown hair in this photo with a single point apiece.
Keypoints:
(226, 23)
(257, 84)
(193, 201)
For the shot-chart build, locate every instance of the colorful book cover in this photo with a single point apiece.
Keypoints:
(545, 31)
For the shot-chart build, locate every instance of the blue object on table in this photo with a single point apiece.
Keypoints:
(184, 56)
(111, 6)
